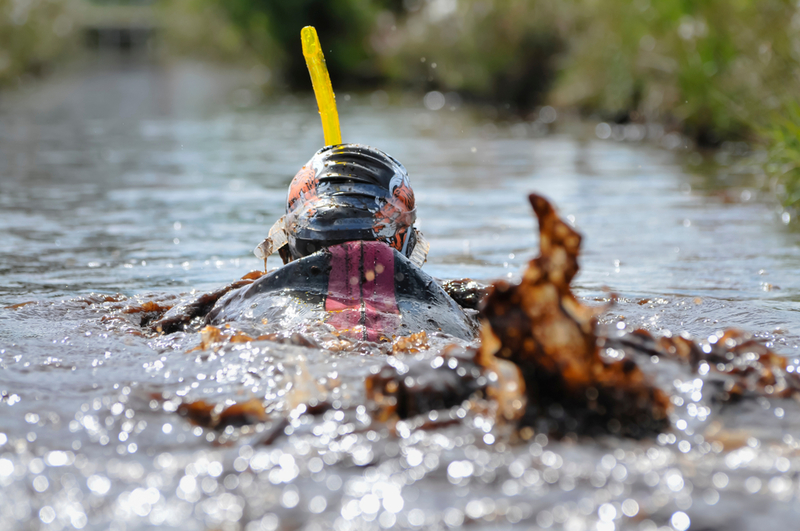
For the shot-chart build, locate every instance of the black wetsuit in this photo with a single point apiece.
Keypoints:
(365, 289)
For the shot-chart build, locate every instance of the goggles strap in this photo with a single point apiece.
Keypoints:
(420, 252)
(274, 242)
(277, 240)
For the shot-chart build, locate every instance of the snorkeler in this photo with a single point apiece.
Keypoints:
(352, 256)
(352, 259)
(348, 192)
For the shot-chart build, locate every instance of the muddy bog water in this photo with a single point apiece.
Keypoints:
(145, 179)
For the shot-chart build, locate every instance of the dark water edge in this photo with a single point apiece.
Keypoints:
(145, 178)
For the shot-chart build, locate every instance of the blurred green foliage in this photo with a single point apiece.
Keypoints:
(783, 161)
(271, 28)
(503, 52)
(202, 28)
(33, 33)
(713, 69)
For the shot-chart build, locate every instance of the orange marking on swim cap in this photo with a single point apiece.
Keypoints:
(304, 185)
(405, 194)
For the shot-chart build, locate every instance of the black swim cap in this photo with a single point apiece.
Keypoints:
(350, 192)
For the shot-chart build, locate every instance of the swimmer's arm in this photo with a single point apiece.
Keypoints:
(466, 292)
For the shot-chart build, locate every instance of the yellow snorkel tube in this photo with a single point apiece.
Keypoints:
(321, 81)
(326, 101)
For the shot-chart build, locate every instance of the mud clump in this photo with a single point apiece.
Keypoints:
(552, 338)
(403, 388)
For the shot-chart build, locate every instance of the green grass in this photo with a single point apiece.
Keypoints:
(714, 68)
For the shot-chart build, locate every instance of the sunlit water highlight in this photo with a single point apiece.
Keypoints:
(148, 180)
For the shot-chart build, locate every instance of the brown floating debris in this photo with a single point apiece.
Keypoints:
(147, 306)
(729, 439)
(253, 275)
(97, 298)
(466, 292)
(541, 327)
(508, 391)
(19, 305)
(410, 386)
(284, 338)
(129, 315)
(211, 335)
(733, 362)
(181, 316)
(148, 311)
(201, 413)
(410, 344)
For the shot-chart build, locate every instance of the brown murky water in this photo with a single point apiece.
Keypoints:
(140, 179)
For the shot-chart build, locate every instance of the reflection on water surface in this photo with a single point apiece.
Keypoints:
(151, 180)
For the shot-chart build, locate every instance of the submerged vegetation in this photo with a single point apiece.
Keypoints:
(714, 70)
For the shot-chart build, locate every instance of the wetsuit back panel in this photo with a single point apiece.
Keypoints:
(365, 289)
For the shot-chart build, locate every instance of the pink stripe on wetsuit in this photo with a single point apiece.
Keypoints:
(361, 295)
